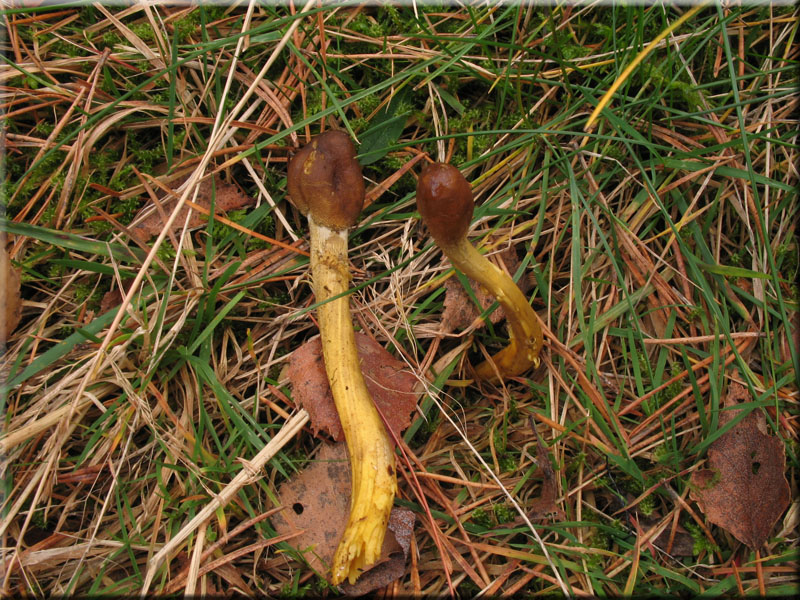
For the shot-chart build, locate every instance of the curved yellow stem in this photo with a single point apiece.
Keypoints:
(525, 335)
(374, 482)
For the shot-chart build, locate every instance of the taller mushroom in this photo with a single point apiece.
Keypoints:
(325, 183)
(444, 199)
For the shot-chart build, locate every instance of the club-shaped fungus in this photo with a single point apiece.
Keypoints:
(325, 183)
(444, 199)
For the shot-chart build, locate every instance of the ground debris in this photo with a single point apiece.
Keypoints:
(545, 505)
(149, 221)
(11, 310)
(744, 489)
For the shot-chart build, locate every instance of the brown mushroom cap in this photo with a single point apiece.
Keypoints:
(324, 179)
(444, 199)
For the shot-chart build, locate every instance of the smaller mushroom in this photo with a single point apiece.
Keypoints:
(444, 199)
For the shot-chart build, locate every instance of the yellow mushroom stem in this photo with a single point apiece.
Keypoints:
(525, 335)
(374, 482)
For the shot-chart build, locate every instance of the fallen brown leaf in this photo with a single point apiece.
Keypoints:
(744, 490)
(10, 300)
(150, 220)
(114, 296)
(110, 299)
(389, 381)
(545, 505)
(317, 501)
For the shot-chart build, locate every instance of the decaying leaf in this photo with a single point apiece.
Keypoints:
(150, 221)
(744, 489)
(389, 381)
(110, 299)
(317, 501)
(459, 309)
(10, 300)
(545, 504)
(114, 296)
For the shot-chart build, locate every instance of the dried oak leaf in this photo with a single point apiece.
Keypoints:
(10, 300)
(149, 221)
(389, 381)
(744, 490)
(317, 501)
(460, 310)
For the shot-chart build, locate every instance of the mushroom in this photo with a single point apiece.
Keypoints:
(325, 182)
(444, 199)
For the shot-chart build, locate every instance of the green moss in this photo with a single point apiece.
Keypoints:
(166, 251)
(482, 518)
(700, 542)
(213, 13)
(82, 291)
(737, 258)
(467, 589)
(507, 463)
(794, 293)
(715, 477)
(291, 590)
(570, 52)
(211, 534)
(110, 39)
(500, 440)
(143, 31)
(694, 314)
(504, 513)
(369, 103)
(574, 464)
(266, 227)
(648, 505)
(787, 256)
(664, 456)
(668, 393)
(423, 434)
(41, 171)
(321, 585)
(666, 85)
(100, 227)
(368, 26)
(186, 26)
(359, 124)
(44, 128)
(614, 151)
